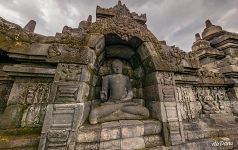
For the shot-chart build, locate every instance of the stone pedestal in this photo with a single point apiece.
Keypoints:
(123, 134)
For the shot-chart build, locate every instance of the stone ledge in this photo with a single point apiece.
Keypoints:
(118, 130)
(18, 142)
(23, 70)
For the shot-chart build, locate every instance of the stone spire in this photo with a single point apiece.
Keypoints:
(119, 3)
(200, 43)
(89, 18)
(119, 10)
(208, 23)
(30, 26)
(210, 30)
(197, 37)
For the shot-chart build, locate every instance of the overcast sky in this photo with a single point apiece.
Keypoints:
(175, 21)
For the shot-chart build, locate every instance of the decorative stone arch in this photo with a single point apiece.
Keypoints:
(76, 76)
(158, 87)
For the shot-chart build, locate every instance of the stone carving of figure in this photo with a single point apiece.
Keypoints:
(116, 96)
(209, 105)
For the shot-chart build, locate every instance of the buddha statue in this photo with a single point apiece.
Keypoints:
(117, 99)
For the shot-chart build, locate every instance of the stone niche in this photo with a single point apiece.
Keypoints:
(121, 134)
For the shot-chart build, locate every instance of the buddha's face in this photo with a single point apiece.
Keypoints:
(117, 66)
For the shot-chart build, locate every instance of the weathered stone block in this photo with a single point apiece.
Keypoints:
(30, 91)
(65, 54)
(119, 51)
(135, 61)
(70, 92)
(131, 128)
(12, 116)
(132, 143)
(152, 127)
(56, 136)
(146, 49)
(111, 145)
(5, 88)
(87, 134)
(88, 146)
(34, 115)
(153, 141)
(138, 73)
(96, 42)
(110, 131)
(151, 79)
(148, 65)
(72, 73)
(151, 93)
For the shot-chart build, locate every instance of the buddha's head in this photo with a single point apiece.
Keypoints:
(117, 66)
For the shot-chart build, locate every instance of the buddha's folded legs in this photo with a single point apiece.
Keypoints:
(102, 111)
(137, 110)
(123, 111)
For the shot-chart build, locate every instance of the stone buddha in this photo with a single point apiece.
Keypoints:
(117, 98)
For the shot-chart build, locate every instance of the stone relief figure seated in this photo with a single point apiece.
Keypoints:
(117, 98)
(210, 105)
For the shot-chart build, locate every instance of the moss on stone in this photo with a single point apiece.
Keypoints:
(20, 131)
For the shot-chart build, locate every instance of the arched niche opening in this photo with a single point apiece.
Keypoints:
(130, 53)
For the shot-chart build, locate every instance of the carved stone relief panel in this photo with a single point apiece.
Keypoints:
(37, 93)
(34, 115)
(68, 72)
(213, 99)
(189, 107)
(30, 91)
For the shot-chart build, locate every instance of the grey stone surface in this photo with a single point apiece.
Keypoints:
(30, 26)
(132, 143)
(5, 88)
(131, 128)
(119, 51)
(34, 115)
(108, 145)
(30, 91)
(75, 92)
(110, 131)
(159, 97)
(153, 141)
(87, 146)
(152, 127)
(117, 96)
(12, 116)
(89, 134)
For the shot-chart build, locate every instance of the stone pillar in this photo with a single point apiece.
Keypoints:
(68, 106)
(160, 91)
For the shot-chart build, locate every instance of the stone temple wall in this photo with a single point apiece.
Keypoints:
(50, 85)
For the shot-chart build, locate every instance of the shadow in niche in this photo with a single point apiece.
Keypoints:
(5, 59)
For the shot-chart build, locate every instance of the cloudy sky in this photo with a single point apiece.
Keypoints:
(175, 21)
